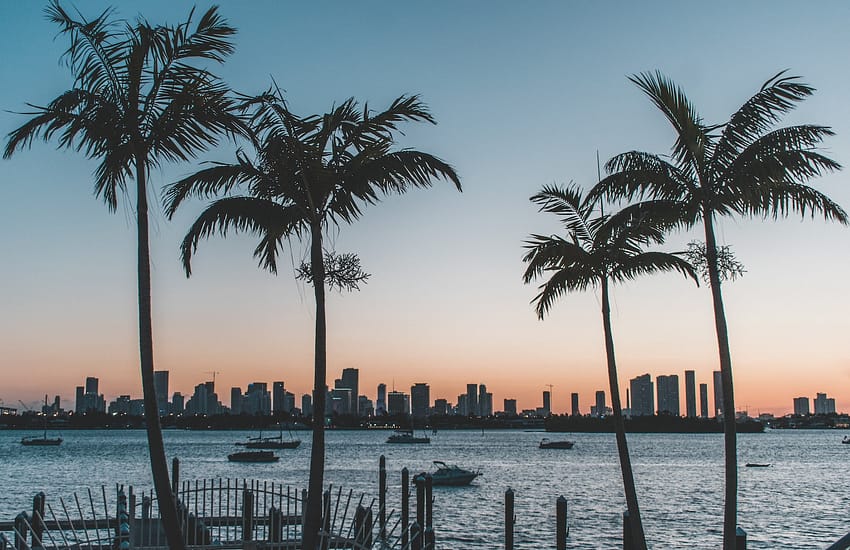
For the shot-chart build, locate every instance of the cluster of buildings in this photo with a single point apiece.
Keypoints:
(644, 397)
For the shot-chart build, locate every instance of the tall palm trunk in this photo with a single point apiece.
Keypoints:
(317, 453)
(730, 511)
(156, 448)
(638, 536)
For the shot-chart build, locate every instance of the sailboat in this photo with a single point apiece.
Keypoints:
(42, 441)
(271, 442)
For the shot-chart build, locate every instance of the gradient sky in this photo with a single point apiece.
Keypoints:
(524, 94)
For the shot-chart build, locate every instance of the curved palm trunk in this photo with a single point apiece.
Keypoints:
(317, 453)
(638, 536)
(730, 512)
(159, 466)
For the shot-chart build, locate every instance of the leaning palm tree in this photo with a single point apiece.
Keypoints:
(310, 173)
(597, 251)
(744, 167)
(138, 99)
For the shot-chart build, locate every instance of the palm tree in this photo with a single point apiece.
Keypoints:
(310, 173)
(138, 100)
(598, 251)
(744, 167)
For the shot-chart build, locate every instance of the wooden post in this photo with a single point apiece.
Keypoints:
(175, 476)
(21, 531)
(382, 498)
(740, 539)
(275, 525)
(247, 515)
(509, 519)
(430, 538)
(561, 526)
(628, 543)
(37, 522)
(405, 507)
(420, 510)
(415, 536)
(363, 526)
(146, 507)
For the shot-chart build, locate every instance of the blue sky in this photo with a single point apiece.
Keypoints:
(524, 95)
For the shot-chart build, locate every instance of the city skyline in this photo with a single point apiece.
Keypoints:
(445, 302)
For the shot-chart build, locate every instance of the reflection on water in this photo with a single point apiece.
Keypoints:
(800, 501)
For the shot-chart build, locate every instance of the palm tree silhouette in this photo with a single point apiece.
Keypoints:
(310, 173)
(138, 100)
(598, 251)
(744, 167)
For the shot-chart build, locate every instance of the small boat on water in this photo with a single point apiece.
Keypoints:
(546, 443)
(451, 475)
(407, 436)
(42, 441)
(756, 465)
(846, 440)
(271, 442)
(253, 456)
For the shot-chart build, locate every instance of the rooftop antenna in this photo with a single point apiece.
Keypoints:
(213, 372)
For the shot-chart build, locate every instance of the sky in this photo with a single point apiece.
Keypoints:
(525, 95)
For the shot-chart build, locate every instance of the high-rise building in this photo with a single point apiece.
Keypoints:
(510, 407)
(257, 399)
(485, 401)
(547, 403)
(690, 394)
(420, 400)
(89, 400)
(643, 395)
(703, 400)
(236, 400)
(381, 402)
(472, 399)
(668, 394)
(91, 384)
(574, 408)
(177, 403)
(824, 404)
(600, 403)
(78, 402)
(397, 403)
(204, 400)
(801, 406)
(341, 401)
(441, 407)
(462, 405)
(351, 380)
(278, 398)
(718, 394)
(306, 405)
(160, 385)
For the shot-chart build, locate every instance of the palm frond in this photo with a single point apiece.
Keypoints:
(636, 174)
(271, 221)
(218, 179)
(550, 252)
(648, 263)
(693, 143)
(780, 198)
(777, 96)
(578, 278)
(568, 204)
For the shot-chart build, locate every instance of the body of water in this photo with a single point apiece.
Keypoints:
(800, 501)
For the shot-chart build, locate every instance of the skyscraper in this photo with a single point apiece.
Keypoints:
(485, 403)
(307, 405)
(547, 403)
(420, 400)
(381, 402)
(801, 406)
(441, 407)
(472, 399)
(824, 404)
(177, 403)
(643, 395)
(351, 380)
(575, 410)
(600, 403)
(235, 400)
(278, 396)
(160, 385)
(718, 394)
(703, 400)
(397, 403)
(510, 407)
(690, 394)
(91, 384)
(668, 394)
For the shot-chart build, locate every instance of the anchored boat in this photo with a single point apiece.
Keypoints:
(548, 444)
(253, 456)
(407, 436)
(452, 475)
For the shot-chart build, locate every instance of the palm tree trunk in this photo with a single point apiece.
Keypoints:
(638, 536)
(159, 466)
(730, 512)
(317, 453)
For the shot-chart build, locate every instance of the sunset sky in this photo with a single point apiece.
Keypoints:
(524, 95)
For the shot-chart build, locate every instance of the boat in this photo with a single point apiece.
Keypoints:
(253, 456)
(846, 440)
(756, 465)
(546, 443)
(42, 441)
(407, 436)
(451, 475)
(271, 442)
